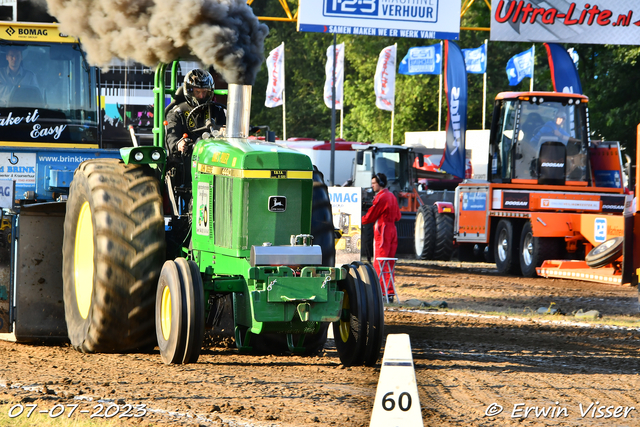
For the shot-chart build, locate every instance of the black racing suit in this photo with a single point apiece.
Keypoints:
(180, 121)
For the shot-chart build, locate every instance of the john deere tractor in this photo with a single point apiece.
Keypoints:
(146, 263)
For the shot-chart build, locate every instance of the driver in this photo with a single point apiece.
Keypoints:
(553, 128)
(191, 117)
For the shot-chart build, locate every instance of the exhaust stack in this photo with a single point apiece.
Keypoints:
(238, 111)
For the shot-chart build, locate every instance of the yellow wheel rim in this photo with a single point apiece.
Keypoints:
(345, 327)
(165, 313)
(83, 260)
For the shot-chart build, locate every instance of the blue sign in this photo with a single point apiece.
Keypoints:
(476, 59)
(520, 66)
(475, 201)
(422, 60)
(600, 229)
(423, 19)
(608, 179)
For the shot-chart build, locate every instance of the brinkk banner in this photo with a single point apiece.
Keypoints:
(455, 87)
(422, 60)
(520, 66)
(564, 74)
(476, 59)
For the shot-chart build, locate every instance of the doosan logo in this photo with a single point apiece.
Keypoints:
(552, 165)
(616, 207)
(516, 203)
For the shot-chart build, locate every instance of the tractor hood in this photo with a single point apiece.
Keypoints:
(236, 156)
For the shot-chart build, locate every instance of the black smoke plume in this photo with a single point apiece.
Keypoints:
(222, 33)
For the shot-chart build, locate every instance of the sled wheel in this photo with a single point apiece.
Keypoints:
(424, 233)
(443, 247)
(506, 253)
(113, 251)
(171, 315)
(605, 253)
(194, 296)
(350, 331)
(375, 332)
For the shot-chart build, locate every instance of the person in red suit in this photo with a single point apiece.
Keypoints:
(384, 213)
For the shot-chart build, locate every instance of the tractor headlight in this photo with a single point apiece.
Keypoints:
(155, 155)
(138, 156)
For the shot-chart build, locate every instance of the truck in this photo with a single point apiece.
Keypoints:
(550, 195)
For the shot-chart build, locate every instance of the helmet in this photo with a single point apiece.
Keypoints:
(198, 79)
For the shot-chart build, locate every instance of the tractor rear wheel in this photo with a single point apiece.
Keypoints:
(113, 252)
(425, 232)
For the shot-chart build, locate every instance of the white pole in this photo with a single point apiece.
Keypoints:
(484, 85)
(533, 62)
(284, 103)
(440, 88)
(393, 112)
(341, 116)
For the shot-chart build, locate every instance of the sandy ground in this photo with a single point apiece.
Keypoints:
(484, 360)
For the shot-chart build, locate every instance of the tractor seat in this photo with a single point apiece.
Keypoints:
(177, 99)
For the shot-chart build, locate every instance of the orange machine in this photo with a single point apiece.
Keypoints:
(552, 192)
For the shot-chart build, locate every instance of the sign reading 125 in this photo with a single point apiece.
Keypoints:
(351, 7)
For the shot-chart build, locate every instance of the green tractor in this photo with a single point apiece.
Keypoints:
(144, 262)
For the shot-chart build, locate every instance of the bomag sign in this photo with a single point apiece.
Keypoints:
(33, 32)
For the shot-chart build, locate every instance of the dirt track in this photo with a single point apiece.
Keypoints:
(465, 360)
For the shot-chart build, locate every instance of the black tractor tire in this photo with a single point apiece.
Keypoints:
(350, 331)
(443, 249)
(506, 251)
(535, 250)
(605, 253)
(114, 225)
(375, 325)
(425, 232)
(171, 315)
(322, 228)
(194, 296)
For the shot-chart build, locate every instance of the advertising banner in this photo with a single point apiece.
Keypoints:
(275, 86)
(564, 74)
(559, 21)
(476, 59)
(339, 76)
(455, 89)
(422, 60)
(421, 19)
(346, 208)
(520, 66)
(384, 81)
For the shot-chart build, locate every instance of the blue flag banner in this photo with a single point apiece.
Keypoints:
(564, 74)
(422, 60)
(520, 66)
(455, 89)
(476, 59)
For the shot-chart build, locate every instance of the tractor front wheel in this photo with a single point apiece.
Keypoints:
(113, 252)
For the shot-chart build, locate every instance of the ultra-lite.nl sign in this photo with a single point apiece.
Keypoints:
(423, 19)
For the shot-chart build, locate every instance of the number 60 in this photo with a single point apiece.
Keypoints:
(388, 404)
